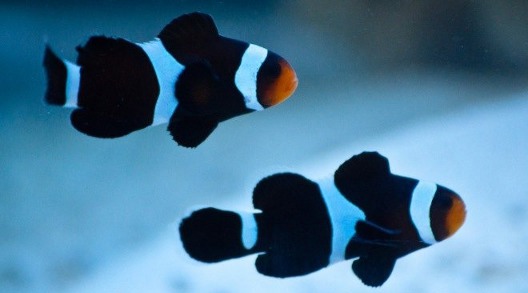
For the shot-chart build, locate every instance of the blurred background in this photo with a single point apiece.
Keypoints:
(70, 204)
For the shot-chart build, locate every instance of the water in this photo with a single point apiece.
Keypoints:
(71, 204)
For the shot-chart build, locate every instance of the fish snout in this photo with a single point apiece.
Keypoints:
(456, 216)
(287, 82)
(280, 85)
(448, 214)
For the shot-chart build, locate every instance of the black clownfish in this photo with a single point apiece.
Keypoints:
(364, 213)
(189, 77)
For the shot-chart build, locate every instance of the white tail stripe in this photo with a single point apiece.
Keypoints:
(421, 200)
(343, 216)
(167, 71)
(246, 75)
(249, 229)
(73, 77)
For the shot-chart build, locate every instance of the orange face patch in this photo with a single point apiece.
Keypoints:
(456, 215)
(282, 88)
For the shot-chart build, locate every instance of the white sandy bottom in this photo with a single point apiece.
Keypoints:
(481, 153)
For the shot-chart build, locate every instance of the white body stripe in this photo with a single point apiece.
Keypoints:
(167, 71)
(249, 229)
(73, 77)
(246, 75)
(343, 216)
(421, 200)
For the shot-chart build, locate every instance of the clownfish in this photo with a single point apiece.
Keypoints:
(190, 77)
(364, 213)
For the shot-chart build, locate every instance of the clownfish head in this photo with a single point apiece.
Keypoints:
(447, 213)
(276, 81)
(436, 212)
(264, 78)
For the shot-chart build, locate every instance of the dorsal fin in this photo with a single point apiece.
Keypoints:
(360, 177)
(193, 27)
(188, 33)
(365, 166)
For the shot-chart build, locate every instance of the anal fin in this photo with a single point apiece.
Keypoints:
(191, 131)
(98, 124)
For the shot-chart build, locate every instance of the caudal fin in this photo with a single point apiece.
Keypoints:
(63, 80)
(213, 235)
(56, 73)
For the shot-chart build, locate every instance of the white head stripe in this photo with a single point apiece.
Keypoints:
(73, 76)
(343, 216)
(421, 200)
(249, 229)
(167, 71)
(246, 75)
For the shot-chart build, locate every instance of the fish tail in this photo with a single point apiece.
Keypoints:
(213, 235)
(63, 80)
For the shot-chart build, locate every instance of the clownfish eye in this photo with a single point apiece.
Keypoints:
(444, 202)
(271, 70)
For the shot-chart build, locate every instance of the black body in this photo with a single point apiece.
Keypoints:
(119, 86)
(295, 229)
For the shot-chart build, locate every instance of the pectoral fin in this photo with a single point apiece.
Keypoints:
(191, 131)
(371, 231)
(197, 89)
(374, 270)
(371, 238)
